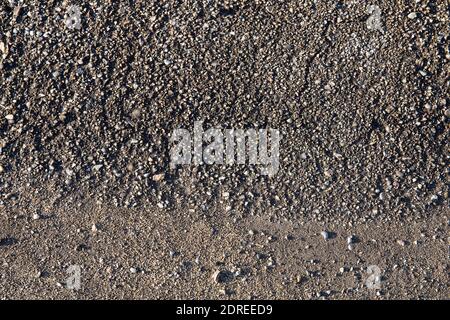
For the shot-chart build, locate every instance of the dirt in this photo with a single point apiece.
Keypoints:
(358, 91)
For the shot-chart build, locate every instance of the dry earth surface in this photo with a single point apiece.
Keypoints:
(359, 91)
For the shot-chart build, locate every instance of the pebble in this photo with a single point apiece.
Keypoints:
(9, 117)
(412, 15)
(133, 270)
(222, 276)
(36, 216)
(401, 242)
(350, 239)
(97, 167)
(158, 177)
(2, 47)
(325, 235)
(173, 254)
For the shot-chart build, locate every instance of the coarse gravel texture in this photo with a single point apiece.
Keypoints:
(360, 96)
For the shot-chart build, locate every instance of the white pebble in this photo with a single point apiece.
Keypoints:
(325, 235)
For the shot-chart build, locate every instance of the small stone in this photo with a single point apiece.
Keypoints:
(401, 243)
(97, 167)
(16, 12)
(223, 276)
(136, 114)
(133, 270)
(36, 216)
(1, 169)
(158, 177)
(325, 235)
(412, 15)
(173, 254)
(94, 228)
(350, 239)
(9, 117)
(260, 256)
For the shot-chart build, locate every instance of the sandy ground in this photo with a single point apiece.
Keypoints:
(133, 254)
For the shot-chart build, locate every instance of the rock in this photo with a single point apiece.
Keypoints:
(9, 117)
(133, 270)
(16, 12)
(412, 15)
(97, 167)
(36, 216)
(136, 114)
(2, 47)
(173, 254)
(401, 243)
(261, 256)
(158, 177)
(9, 241)
(223, 276)
(325, 235)
(351, 239)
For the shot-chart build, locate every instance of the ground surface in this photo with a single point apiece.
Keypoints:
(359, 93)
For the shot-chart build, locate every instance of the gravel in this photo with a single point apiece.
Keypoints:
(358, 91)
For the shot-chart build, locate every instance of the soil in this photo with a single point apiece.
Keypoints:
(359, 93)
